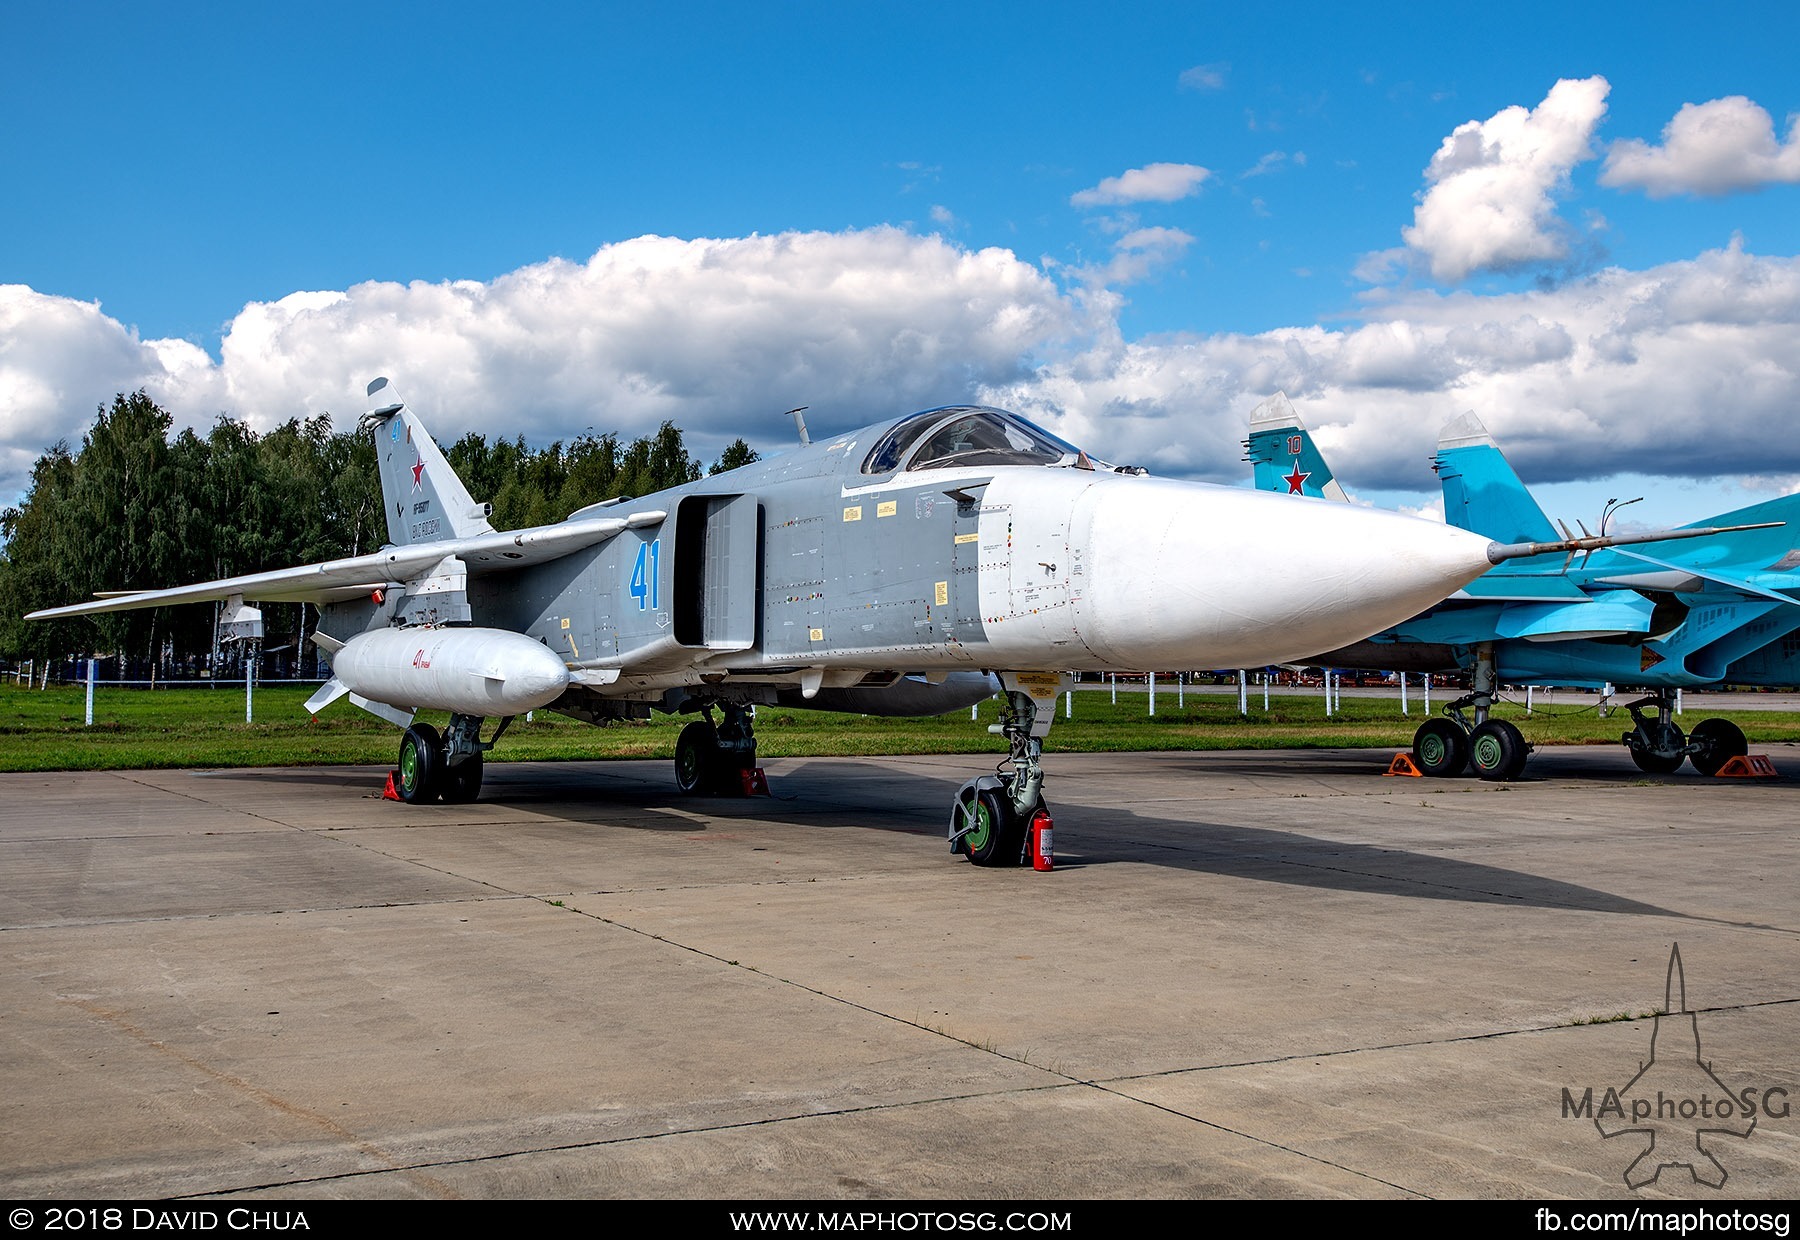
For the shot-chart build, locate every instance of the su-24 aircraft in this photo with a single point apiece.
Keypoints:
(1719, 608)
(905, 568)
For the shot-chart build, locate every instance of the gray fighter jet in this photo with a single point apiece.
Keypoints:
(911, 567)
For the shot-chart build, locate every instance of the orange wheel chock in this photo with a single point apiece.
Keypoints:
(1747, 766)
(1404, 765)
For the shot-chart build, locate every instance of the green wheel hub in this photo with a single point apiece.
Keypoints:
(1489, 753)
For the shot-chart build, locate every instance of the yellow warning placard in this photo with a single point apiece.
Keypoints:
(943, 593)
(886, 508)
(853, 513)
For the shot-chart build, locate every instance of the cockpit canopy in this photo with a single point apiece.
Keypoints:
(967, 435)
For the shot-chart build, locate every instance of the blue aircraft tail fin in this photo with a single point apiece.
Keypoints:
(1283, 456)
(425, 500)
(1483, 494)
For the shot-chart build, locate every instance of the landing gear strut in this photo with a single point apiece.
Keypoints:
(1495, 748)
(447, 766)
(1658, 746)
(992, 815)
(710, 759)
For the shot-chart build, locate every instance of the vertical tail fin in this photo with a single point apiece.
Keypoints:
(1482, 494)
(1283, 456)
(425, 500)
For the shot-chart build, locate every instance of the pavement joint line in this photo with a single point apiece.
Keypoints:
(1111, 1086)
(128, 777)
(249, 1089)
(1264, 1141)
(1421, 1043)
(638, 1138)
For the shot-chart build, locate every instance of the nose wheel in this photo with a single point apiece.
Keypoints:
(991, 818)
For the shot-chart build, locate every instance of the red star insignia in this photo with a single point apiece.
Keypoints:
(1296, 480)
(419, 472)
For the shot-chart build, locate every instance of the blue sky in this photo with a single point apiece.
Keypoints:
(1131, 223)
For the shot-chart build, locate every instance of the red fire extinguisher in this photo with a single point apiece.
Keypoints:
(1043, 853)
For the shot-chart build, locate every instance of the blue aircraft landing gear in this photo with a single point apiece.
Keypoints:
(991, 819)
(1657, 744)
(1718, 741)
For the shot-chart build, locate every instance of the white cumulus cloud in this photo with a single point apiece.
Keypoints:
(1712, 148)
(1686, 370)
(1151, 183)
(1690, 369)
(1490, 202)
(719, 335)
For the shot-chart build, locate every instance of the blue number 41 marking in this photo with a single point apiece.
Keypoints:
(645, 583)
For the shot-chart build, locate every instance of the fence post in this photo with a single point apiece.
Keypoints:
(1153, 695)
(93, 664)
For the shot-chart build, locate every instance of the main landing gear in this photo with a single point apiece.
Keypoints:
(447, 766)
(1446, 746)
(991, 820)
(711, 760)
(1658, 746)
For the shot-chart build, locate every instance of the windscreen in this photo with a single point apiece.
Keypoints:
(969, 435)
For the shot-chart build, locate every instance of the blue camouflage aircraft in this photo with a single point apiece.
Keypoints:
(1720, 608)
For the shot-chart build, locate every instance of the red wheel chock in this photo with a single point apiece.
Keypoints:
(1747, 766)
(391, 792)
(1404, 765)
(754, 783)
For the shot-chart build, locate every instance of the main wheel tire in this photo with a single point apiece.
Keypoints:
(1661, 763)
(997, 834)
(697, 759)
(1440, 748)
(1721, 740)
(421, 764)
(462, 782)
(1497, 750)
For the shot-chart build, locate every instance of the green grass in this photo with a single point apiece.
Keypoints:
(42, 730)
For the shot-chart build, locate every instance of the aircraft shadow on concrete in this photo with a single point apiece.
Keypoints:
(639, 795)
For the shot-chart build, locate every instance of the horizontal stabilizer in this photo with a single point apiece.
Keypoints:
(1725, 580)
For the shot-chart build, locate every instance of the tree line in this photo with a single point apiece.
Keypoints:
(134, 508)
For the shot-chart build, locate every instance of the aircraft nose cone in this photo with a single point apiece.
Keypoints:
(1181, 575)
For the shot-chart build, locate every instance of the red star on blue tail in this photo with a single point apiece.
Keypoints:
(1296, 480)
(419, 471)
